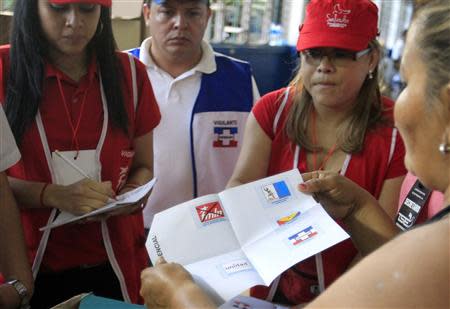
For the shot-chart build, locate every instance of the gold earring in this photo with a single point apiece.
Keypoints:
(444, 147)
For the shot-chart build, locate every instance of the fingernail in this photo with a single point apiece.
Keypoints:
(303, 186)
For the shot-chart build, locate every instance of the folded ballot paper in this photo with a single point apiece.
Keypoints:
(121, 201)
(243, 236)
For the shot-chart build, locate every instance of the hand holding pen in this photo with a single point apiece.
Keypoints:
(80, 197)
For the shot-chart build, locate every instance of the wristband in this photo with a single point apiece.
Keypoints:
(41, 196)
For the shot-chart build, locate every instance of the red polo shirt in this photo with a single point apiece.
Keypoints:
(72, 245)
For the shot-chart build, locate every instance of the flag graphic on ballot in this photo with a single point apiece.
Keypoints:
(276, 191)
(303, 235)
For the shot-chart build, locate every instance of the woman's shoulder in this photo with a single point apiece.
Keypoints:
(409, 271)
(4, 51)
(388, 108)
(271, 101)
(421, 256)
(125, 57)
(4, 68)
(384, 127)
(4, 57)
(126, 60)
(267, 108)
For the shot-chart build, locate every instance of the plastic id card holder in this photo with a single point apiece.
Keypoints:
(72, 166)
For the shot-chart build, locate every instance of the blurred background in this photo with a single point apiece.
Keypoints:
(263, 32)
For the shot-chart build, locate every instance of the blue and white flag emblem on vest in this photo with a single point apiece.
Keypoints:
(225, 137)
(276, 192)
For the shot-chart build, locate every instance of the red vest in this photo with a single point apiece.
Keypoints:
(73, 245)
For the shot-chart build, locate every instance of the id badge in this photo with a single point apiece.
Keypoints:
(413, 203)
(70, 166)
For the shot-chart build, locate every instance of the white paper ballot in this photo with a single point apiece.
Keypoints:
(121, 201)
(244, 236)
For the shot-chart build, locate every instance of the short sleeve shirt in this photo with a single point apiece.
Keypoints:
(9, 154)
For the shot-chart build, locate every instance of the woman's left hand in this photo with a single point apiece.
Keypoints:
(337, 194)
(130, 208)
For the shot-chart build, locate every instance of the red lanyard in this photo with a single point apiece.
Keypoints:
(314, 140)
(69, 117)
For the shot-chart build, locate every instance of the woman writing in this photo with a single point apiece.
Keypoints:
(411, 270)
(332, 118)
(70, 94)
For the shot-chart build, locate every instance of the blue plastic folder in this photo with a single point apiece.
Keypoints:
(92, 301)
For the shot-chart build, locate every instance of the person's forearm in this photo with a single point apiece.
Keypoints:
(13, 257)
(139, 176)
(370, 226)
(27, 193)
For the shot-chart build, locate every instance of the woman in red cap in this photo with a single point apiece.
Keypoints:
(331, 117)
(69, 94)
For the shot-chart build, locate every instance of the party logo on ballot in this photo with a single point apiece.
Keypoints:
(210, 212)
(288, 219)
(276, 192)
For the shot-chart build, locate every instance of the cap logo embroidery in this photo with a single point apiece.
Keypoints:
(338, 18)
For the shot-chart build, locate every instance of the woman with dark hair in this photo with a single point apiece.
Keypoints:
(72, 99)
(412, 270)
(331, 117)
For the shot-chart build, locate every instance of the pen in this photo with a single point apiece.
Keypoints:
(79, 170)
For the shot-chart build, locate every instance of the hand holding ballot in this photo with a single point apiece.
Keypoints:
(217, 269)
(243, 236)
(331, 190)
(161, 282)
(365, 220)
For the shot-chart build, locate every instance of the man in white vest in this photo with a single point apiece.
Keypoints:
(204, 98)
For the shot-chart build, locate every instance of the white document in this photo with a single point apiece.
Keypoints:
(243, 236)
(123, 200)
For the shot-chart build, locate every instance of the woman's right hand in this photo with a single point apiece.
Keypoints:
(340, 196)
(79, 198)
(170, 286)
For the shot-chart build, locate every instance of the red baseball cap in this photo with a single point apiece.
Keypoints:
(101, 2)
(346, 24)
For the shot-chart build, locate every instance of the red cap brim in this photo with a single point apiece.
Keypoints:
(336, 40)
